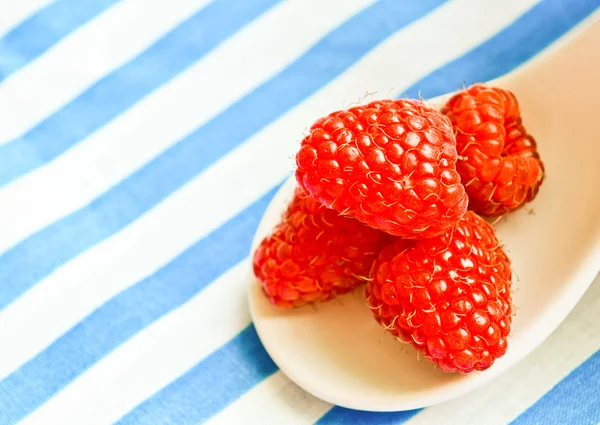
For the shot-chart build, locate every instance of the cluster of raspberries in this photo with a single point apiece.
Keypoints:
(390, 194)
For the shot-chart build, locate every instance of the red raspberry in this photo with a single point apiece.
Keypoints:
(390, 164)
(315, 254)
(498, 161)
(449, 296)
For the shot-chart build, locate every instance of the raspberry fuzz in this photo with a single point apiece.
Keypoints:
(315, 254)
(449, 296)
(498, 161)
(390, 164)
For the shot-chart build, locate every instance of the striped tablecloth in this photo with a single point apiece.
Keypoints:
(140, 142)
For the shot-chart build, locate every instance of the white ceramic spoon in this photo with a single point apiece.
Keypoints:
(337, 352)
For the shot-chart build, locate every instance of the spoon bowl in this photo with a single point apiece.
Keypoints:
(337, 352)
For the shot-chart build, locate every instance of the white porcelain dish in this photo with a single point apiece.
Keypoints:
(337, 352)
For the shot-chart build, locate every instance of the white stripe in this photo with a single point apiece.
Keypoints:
(14, 12)
(158, 236)
(105, 278)
(172, 345)
(58, 302)
(275, 401)
(164, 117)
(84, 56)
(98, 267)
(503, 399)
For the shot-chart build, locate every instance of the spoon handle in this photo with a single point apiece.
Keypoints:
(570, 71)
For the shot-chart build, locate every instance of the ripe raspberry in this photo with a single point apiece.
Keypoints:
(315, 254)
(449, 296)
(390, 164)
(498, 161)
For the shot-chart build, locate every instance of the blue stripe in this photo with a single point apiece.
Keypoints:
(135, 308)
(181, 388)
(127, 313)
(225, 375)
(63, 362)
(35, 257)
(341, 416)
(128, 84)
(178, 393)
(532, 32)
(42, 30)
(574, 400)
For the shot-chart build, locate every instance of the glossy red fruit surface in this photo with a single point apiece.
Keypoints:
(498, 160)
(450, 296)
(390, 164)
(315, 254)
